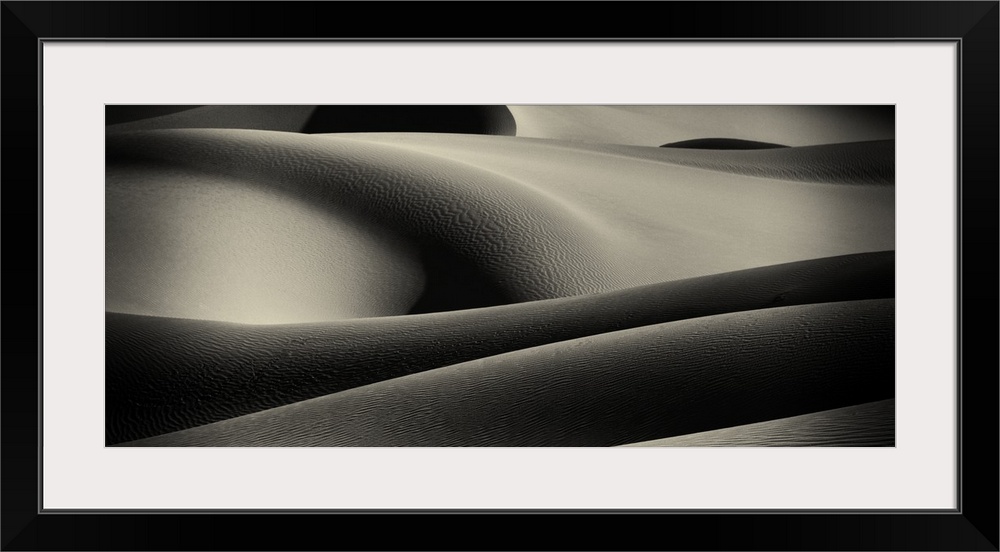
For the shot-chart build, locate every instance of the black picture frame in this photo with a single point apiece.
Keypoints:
(973, 525)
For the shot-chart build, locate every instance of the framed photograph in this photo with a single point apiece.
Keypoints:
(718, 278)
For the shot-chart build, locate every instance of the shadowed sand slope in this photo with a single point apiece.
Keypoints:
(615, 388)
(529, 219)
(168, 374)
(454, 119)
(459, 119)
(864, 425)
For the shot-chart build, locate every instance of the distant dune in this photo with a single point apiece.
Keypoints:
(488, 275)
(652, 125)
(722, 144)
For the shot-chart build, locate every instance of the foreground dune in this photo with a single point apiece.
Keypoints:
(864, 425)
(610, 389)
(174, 374)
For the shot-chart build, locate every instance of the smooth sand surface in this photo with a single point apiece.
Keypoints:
(865, 425)
(610, 389)
(174, 374)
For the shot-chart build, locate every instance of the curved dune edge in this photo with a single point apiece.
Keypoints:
(166, 374)
(865, 425)
(610, 389)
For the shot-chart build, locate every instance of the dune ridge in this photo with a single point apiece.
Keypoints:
(610, 389)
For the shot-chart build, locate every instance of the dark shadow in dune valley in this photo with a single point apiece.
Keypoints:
(455, 119)
(491, 275)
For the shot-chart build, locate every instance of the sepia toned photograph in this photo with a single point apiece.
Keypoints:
(500, 275)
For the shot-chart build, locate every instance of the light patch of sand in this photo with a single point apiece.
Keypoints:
(191, 244)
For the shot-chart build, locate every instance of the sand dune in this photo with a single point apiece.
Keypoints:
(722, 144)
(614, 388)
(175, 374)
(526, 226)
(499, 275)
(864, 425)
